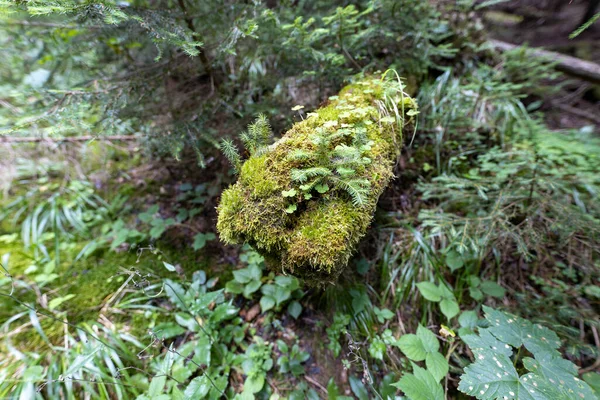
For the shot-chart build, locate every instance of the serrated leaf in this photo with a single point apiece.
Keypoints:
(197, 388)
(486, 341)
(412, 347)
(437, 365)
(468, 319)
(430, 291)
(561, 374)
(517, 332)
(420, 386)
(428, 340)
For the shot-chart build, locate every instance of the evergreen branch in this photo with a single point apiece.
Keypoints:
(231, 153)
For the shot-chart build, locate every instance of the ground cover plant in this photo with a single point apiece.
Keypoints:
(174, 176)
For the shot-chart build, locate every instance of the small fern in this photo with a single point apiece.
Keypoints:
(336, 167)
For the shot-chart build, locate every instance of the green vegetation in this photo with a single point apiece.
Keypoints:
(230, 200)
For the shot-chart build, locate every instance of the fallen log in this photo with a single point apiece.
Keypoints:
(306, 201)
(586, 70)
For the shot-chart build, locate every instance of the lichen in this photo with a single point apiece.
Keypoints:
(308, 229)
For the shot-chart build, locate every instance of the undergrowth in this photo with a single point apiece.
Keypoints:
(479, 274)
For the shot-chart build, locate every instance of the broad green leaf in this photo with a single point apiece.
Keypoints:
(468, 319)
(202, 354)
(251, 287)
(157, 385)
(492, 289)
(412, 347)
(243, 275)
(200, 240)
(449, 308)
(266, 303)
(358, 388)
(428, 340)
(475, 293)
(454, 260)
(234, 287)
(561, 374)
(254, 383)
(486, 341)
(430, 291)
(197, 388)
(593, 379)
(294, 309)
(437, 365)
(420, 386)
(517, 332)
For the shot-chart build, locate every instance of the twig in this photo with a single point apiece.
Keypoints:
(578, 112)
(315, 383)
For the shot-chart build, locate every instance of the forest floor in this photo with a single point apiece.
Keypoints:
(179, 235)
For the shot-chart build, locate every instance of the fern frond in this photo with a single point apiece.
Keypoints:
(231, 153)
(299, 155)
(358, 189)
(302, 175)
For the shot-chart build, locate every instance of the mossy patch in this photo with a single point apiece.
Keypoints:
(305, 201)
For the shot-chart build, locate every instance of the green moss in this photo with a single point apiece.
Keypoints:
(316, 236)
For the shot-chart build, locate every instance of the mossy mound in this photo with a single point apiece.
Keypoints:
(305, 201)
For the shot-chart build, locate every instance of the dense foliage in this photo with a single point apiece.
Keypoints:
(478, 276)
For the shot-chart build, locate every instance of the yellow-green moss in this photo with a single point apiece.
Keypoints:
(316, 240)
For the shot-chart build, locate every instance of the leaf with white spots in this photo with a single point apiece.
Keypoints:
(493, 375)
(517, 332)
(561, 374)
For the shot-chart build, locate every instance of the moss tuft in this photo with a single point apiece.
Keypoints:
(311, 229)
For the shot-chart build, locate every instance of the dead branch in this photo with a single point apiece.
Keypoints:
(582, 69)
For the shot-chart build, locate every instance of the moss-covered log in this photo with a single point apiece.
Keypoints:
(305, 201)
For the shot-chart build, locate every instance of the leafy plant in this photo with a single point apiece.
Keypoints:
(424, 346)
(291, 359)
(338, 327)
(440, 294)
(494, 373)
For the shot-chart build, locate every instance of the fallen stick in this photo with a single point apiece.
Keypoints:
(586, 70)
